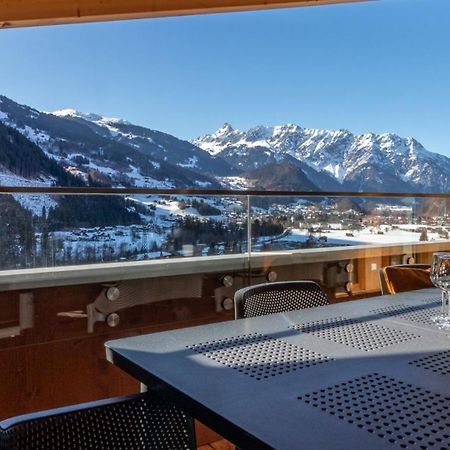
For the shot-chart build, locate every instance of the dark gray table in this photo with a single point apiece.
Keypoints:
(369, 374)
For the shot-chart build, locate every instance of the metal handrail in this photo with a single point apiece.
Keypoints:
(70, 190)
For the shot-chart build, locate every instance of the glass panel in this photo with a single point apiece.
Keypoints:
(292, 223)
(342, 242)
(57, 230)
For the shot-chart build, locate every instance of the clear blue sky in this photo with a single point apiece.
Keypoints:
(378, 66)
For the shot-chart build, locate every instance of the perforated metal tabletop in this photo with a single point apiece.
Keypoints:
(369, 374)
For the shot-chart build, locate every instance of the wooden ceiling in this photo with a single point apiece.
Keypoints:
(21, 13)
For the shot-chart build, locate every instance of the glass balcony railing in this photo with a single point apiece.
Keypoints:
(59, 233)
(56, 227)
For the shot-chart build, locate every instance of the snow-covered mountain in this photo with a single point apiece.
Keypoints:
(336, 159)
(153, 143)
(114, 152)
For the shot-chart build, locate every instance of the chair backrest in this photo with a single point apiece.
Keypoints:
(383, 283)
(133, 422)
(404, 278)
(270, 298)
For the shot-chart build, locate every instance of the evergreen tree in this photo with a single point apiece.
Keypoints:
(17, 241)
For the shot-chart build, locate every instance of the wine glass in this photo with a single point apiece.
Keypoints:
(440, 277)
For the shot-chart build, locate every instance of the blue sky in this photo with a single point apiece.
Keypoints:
(378, 66)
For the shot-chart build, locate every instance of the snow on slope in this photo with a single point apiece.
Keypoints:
(91, 117)
(32, 202)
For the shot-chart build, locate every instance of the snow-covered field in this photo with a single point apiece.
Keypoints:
(402, 235)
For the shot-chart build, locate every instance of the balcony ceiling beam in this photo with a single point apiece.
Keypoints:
(22, 13)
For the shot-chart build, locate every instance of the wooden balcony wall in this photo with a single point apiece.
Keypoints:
(58, 363)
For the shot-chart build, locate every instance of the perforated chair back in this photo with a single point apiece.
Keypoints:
(283, 296)
(404, 278)
(124, 423)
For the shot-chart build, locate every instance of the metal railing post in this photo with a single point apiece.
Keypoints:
(249, 227)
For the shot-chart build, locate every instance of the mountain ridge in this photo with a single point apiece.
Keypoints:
(115, 152)
(118, 158)
(366, 162)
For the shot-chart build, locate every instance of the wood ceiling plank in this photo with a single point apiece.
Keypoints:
(21, 13)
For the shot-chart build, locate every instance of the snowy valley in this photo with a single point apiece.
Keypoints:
(70, 148)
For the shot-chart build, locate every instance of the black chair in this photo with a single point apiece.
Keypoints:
(404, 278)
(134, 422)
(270, 298)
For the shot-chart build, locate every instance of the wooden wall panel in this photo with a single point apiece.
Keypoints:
(58, 363)
(19, 13)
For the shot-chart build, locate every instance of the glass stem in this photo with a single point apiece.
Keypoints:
(445, 303)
